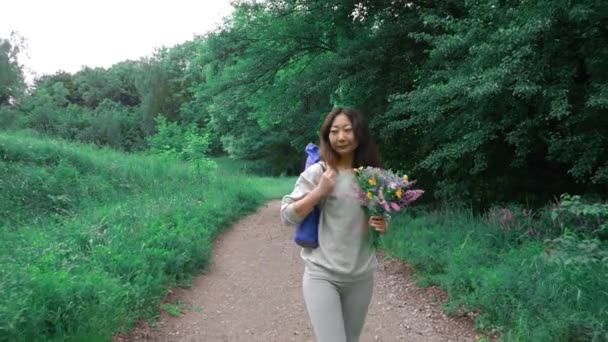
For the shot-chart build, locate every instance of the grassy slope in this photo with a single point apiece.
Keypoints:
(92, 238)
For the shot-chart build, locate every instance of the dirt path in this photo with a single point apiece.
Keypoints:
(252, 292)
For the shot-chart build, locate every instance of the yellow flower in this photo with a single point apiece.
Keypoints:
(398, 193)
(372, 181)
(369, 195)
(405, 179)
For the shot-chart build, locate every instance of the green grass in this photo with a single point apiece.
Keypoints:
(520, 285)
(93, 238)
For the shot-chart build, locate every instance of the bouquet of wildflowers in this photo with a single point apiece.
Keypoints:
(382, 192)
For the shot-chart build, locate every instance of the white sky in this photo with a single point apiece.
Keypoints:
(68, 34)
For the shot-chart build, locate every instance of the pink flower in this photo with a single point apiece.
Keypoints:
(395, 206)
(386, 206)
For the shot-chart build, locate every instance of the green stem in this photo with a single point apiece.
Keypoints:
(375, 237)
(374, 234)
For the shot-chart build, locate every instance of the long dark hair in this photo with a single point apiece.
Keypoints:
(366, 153)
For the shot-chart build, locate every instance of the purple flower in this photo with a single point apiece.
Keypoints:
(411, 195)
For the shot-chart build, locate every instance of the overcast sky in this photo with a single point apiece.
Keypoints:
(67, 34)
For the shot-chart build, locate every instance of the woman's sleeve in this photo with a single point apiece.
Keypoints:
(306, 182)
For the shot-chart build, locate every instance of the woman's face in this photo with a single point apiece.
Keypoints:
(342, 136)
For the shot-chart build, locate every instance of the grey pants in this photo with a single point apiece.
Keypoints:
(337, 310)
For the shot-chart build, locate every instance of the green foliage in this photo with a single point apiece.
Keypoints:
(468, 96)
(96, 85)
(571, 250)
(185, 143)
(274, 71)
(43, 177)
(132, 227)
(483, 102)
(509, 89)
(48, 110)
(12, 82)
(172, 309)
(524, 286)
(168, 139)
(195, 150)
(8, 117)
(586, 218)
(114, 125)
(47, 82)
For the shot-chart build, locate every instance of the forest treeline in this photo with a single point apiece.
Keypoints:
(481, 101)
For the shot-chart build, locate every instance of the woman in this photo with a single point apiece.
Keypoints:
(338, 277)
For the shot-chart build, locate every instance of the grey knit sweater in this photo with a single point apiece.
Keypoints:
(344, 252)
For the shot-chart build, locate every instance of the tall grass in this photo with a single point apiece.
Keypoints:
(93, 238)
(517, 283)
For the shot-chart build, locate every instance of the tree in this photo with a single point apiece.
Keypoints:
(512, 97)
(12, 83)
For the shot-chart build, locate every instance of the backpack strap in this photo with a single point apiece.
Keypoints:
(322, 164)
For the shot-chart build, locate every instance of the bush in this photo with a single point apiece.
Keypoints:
(184, 143)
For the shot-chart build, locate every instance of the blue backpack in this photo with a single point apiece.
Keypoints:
(307, 231)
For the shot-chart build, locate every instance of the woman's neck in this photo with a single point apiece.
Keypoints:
(345, 163)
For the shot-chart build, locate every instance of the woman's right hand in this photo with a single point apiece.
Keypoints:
(327, 182)
(305, 205)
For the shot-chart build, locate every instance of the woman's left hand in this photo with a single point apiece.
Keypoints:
(378, 223)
